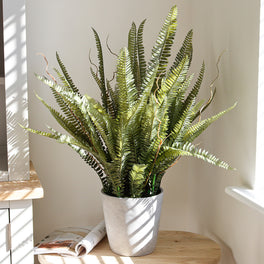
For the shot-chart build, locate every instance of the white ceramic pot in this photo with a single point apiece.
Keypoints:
(132, 223)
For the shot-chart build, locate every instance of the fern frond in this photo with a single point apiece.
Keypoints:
(140, 105)
(66, 139)
(126, 85)
(141, 52)
(183, 124)
(195, 90)
(62, 104)
(65, 84)
(132, 50)
(160, 123)
(67, 125)
(60, 138)
(96, 166)
(162, 48)
(66, 75)
(195, 130)
(41, 133)
(88, 113)
(64, 98)
(175, 101)
(174, 78)
(111, 100)
(158, 136)
(155, 184)
(146, 128)
(101, 121)
(188, 149)
(165, 159)
(137, 179)
(119, 165)
(185, 50)
(101, 69)
(118, 187)
(96, 78)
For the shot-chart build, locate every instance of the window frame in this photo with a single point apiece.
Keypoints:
(254, 197)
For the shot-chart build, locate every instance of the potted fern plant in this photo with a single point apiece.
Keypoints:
(142, 127)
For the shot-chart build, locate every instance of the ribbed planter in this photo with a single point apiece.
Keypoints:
(132, 223)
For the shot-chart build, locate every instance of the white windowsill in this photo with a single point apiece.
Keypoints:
(252, 198)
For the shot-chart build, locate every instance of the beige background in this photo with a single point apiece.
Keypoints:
(194, 196)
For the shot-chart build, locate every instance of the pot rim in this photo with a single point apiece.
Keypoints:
(115, 197)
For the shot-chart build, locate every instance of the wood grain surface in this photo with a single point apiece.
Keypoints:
(173, 247)
(22, 190)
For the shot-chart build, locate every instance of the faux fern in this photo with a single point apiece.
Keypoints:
(144, 124)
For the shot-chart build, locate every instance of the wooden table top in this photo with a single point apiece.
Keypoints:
(22, 190)
(173, 247)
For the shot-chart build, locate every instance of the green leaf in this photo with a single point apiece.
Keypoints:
(188, 149)
(132, 51)
(174, 79)
(179, 130)
(102, 85)
(175, 101)
(137, 179)
(195, 130)
(66, 75)
(126, 86)
(195, 90)
(186, 50)
(162, 48)
(141, 52)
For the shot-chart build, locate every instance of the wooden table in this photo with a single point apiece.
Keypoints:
(173, 247)
(22, 190)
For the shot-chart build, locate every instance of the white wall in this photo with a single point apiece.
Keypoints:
(232, 26)
(194, 191)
